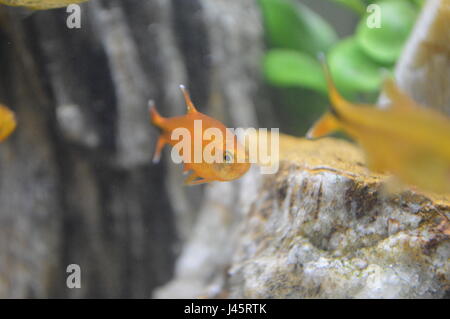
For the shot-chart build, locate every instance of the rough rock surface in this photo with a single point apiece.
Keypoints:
(323, 226)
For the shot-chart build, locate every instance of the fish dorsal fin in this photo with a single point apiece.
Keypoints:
(190, 106)
(325, 125)
(398, 98)
(337, 100)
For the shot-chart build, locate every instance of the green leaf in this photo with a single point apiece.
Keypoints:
(318, 35)
(352, 70)
(291, 25)
(418, 3)
(356, 5)
(289, 68)
(385, 43)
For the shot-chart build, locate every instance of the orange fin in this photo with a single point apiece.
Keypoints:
(200, 181)
(155, 117)
(159, 146)
(8, 122)
(186, 168)
(194, 179)
(325, 125)
(398, 98)
(338, 102)
(190, 106)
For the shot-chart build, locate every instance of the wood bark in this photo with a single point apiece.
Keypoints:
(77, 185)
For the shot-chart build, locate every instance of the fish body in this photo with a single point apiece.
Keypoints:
(7, 122)
(229, 149)
(405, 139)
(40, 4)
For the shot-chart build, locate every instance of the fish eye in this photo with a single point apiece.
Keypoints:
(227, 157)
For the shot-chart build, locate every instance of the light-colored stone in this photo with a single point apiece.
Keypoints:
(424, 68)
(322, 227)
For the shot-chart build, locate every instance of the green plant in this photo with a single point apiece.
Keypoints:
(358, 63)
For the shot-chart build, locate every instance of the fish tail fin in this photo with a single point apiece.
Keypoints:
(325, 125)
(155, 118)
(190, 106)
(338, 103)
(8, 122)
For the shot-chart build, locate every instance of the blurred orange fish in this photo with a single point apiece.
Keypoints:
(229, 149)
(410, 141)
(40, 4)
(7, 122)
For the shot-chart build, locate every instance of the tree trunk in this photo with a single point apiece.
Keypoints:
(78, 186)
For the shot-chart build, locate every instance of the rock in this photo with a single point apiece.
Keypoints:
(424, 68)
(322, 227)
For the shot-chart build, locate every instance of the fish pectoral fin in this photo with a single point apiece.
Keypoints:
(200, 181)
(398, 98)
(194, 179)
(325, 125)
(186, 168)
(159, 146)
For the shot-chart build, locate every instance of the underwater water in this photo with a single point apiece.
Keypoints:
(94, 203)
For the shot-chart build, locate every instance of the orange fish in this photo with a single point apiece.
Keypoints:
(7, 122)
(232, 159)
(407, 140)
